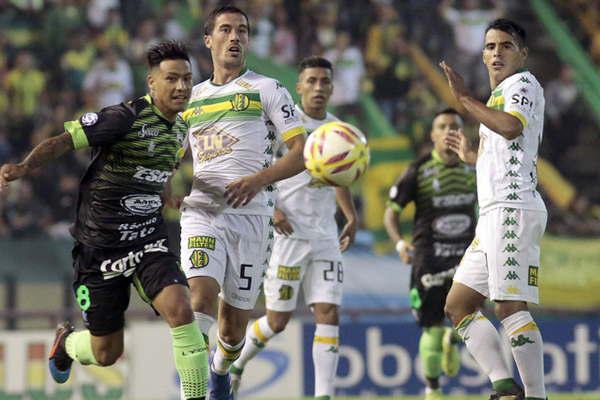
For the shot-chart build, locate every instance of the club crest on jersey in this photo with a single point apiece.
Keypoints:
(240, 102)
(211, 144)
(199, 259)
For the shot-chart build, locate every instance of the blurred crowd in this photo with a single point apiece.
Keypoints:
(59, 58)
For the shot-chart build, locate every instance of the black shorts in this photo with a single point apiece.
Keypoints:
(428, 291)
(103, 279)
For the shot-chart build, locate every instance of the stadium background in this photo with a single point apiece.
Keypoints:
(61, 58)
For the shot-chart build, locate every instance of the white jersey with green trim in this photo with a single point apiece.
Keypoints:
(309, 209)
(506, 169)
(232, 131)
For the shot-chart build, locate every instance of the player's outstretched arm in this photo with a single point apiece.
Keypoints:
(44, 152)
(344, 200)
(242, 190)
(458, 143)
(391, 221)
(506, 125)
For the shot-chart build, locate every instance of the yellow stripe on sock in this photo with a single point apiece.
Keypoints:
(468, 319)
(327, 340)
(531, 326)
(230, 355)
(256, 330)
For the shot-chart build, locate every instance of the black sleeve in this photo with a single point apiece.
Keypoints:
(107, 126)
(403, 191)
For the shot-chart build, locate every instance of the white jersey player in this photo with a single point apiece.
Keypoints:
(503, 261)
(307, 250)
(226, 222)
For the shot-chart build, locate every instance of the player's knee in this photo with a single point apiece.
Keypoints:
(504, 309)
(326, 313)
(454, 312)
(231, 336)
(179, 314)
(278, 324)
(108, 355)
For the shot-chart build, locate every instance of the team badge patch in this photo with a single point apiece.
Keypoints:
(199, 259)
(288, 273)
(533, 276)
(201, 242)
(89, 119)
(286, 292)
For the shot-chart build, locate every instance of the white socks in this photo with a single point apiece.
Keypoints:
(204, 321)
(527, 348)
(256, 338)
(483, 342)
(225, 355)
(325, 354)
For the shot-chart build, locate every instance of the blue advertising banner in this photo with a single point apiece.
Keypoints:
(382, 359)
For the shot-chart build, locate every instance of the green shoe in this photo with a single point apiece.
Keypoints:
(433, 394)
(235, 375)
(450, 353)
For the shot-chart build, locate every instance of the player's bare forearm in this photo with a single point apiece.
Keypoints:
(48, 150)
(344, 200)
(506, 125)
(391, 221)
(44, 152)
(292, 163)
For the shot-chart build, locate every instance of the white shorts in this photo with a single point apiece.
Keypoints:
(231, 248)
(316, 264)
(503, 261)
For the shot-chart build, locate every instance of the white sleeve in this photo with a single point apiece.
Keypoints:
(279, 108)
(520, 100)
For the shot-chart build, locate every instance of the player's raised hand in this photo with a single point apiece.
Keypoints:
(455, 81)
(241, 191)
(347, 236)
(458, 143)
(11, 172)
(281, 223)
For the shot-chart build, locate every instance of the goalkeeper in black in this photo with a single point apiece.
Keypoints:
(120, 236)
(443, 191)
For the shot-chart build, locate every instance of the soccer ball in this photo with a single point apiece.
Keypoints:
(336, 154)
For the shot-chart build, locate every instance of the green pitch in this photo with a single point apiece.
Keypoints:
(561, 396)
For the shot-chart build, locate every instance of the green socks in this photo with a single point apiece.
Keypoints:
(430, 349)
(79, 347)
(191, 359)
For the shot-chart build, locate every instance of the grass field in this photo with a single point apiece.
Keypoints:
(561, 396)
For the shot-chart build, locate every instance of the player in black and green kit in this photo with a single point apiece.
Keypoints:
(443, 190)
(120, 236)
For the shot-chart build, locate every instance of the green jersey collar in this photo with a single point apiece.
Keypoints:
(150, 101)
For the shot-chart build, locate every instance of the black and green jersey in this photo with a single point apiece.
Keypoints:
(445, 198)
(134, 151)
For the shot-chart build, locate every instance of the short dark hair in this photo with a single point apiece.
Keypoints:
(512, 28)
(209, 24)
(314, 62)
(448, 110)
(169, 50)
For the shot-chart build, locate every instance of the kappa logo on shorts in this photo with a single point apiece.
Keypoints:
(512, 275)
(202, 242)
(533, 276)
(199, 259)
(286, 292)
(288, 273)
